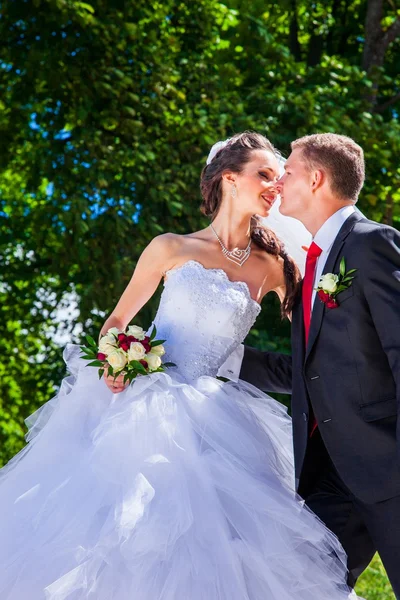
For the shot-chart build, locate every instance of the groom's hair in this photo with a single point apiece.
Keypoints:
(340, 157)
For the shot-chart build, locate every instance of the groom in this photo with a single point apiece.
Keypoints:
(344, 373)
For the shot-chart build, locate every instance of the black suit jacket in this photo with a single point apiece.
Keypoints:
(350, 370)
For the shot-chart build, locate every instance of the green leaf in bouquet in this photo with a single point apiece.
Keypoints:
(153, 333)
(88, 356)
(130, 377)
(110, 370)
(88, 350)
(138, 367)
(91, 341)
(95, 363)
(101, 373)
(157, 343)
(118, 373)
(342, 266)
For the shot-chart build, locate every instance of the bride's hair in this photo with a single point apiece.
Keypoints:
(233, 156)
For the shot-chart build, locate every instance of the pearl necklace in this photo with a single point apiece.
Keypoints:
(237, 255)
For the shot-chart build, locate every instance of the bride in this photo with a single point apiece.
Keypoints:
(181, 486)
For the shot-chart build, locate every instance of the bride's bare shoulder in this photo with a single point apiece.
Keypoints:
(166, 241)
(170, 249)
(174, 242)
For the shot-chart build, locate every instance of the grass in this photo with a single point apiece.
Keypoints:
(374, 584)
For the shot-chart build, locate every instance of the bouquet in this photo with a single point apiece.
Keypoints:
(129, 353)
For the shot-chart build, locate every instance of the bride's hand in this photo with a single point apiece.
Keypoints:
(116, 385)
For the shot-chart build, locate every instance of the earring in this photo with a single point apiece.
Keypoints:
(234, 191)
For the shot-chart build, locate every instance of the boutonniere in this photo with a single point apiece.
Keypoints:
(330, 285)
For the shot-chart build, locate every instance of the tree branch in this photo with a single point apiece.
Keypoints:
(382, 107)
(391, 34)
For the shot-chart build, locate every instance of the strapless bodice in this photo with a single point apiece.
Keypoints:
(203, 316)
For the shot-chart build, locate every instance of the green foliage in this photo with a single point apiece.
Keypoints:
(373, 583)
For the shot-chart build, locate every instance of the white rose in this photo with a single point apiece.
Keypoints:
(136, 351)
(107, 344)
(153, 361)
(158, 350)
(117, 359)
(113, 331)
(328, 283)
(136, 331)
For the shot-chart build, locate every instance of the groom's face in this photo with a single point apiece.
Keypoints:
(295, 187)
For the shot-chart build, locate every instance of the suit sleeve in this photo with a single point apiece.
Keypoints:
(381, 285)
(269, 371)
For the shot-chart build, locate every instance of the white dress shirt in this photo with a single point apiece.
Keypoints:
(324, 238)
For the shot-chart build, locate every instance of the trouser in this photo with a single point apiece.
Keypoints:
(361, 528)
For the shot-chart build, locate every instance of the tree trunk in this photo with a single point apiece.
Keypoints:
(377, 42)
(294, 43)
(373, 34)
(388, 216)
(332, 35)
(315, 49)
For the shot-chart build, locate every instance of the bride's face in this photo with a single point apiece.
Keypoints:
(256, 184)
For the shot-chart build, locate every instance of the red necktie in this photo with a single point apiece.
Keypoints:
(313, 253)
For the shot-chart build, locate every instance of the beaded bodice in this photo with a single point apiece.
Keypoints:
(203, 316)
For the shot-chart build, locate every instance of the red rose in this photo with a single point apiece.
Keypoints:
(124, 346)
(132, 339)
(146, 344)
(332, 303)
(122, 337)
(323, 296)
(144, 363)
(327, 299)
(101, 356)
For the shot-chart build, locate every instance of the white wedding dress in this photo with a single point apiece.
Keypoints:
(179, 488)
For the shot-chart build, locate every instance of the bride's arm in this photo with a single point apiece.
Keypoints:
(157, 258)
(151, 266)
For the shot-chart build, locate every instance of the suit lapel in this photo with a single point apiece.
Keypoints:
(319, 307)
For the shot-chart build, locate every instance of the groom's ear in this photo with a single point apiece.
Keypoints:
(318, 178)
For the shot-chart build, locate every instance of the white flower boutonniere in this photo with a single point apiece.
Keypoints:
(330, 285)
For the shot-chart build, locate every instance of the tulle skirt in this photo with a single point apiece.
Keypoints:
(167, 491)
